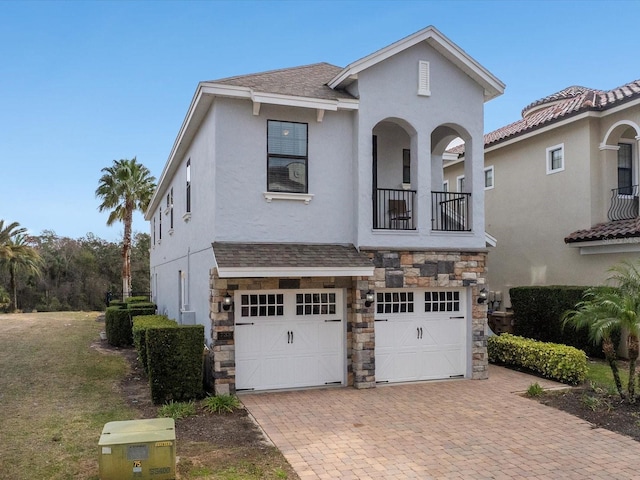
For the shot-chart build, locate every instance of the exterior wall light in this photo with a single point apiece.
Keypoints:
(482, 296)
(369, 298)
(227, 302)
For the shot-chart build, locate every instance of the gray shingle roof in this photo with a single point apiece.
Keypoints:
(305, 81)
(287, 255)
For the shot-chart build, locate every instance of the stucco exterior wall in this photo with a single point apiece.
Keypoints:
(388, 90)
(530, 212)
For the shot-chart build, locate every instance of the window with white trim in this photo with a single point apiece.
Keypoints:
(488, 178)
(555, 159)
(262, 305)
(315, 304)
(394, 302)
(625, 169)
(287, 157)
(460, 183)
(442, 301)
(188, 199)
(445, 186)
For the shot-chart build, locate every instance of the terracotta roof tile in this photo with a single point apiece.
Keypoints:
(607, 231)
(563, 104)
(283, 255)
(304, 81)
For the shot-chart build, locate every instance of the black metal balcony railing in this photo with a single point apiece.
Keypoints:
(624, 203)
(450, 211)
(394, 209)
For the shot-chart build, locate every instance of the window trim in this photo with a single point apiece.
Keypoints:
(459, 187)
(493, 177)
(634, 172)
(549, 159)
(445, 186)
(188, 190)
(304, 158)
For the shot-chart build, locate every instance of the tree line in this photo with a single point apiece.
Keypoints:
(48, 272)
(69, 274)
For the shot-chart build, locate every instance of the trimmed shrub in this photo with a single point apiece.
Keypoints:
(537, 313)
(118, 326)
(117, 303)
(142, 308)
(551, 360)
(138, 299)
(141, 324)
(175, 358)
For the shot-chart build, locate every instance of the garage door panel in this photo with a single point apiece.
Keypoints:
(290, 345)
(426, 341)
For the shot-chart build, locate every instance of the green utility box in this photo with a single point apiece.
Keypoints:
(138, 449)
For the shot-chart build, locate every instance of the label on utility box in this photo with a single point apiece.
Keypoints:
(106, 450)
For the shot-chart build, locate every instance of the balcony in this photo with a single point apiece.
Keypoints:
(624, 203)
(450, 211)
(395, 210)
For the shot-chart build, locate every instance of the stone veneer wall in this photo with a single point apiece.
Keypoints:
(424, 269)
(393, 269)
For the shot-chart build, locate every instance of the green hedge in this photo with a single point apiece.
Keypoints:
(139, 299)
(118, 326)
(140, 326)
(537, 314)
(175, 359)
(118, 303)
(142, 308)
(551, 360)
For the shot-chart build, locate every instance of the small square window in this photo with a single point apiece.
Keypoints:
(555, 159)
(488, 178)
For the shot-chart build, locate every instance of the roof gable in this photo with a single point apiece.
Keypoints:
(491, 85)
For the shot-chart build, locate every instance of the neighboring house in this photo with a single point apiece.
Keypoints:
(300, 218)
(561, 189)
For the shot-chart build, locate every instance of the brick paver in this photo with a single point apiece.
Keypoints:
(461, 429)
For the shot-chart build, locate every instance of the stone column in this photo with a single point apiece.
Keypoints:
(362, 336)
(223, 351)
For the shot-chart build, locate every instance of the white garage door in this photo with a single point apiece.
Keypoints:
(420, 335)
(289, 338)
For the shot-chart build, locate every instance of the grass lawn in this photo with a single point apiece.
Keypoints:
(600, 373)
(57, 392)
(56, 395)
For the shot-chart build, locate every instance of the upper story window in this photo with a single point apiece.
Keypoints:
(188, 199)
(488, 178)
(445, 186)
(287, 157)
(160, 225)
(625, 169)
(170, 207)
(154, 230)
(555, 159)
(460, 183)
(406, 165)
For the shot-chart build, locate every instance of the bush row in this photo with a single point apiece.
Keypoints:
(551, 360)
(172, 356)
(141, 324)
(118, 320)
(537, 313)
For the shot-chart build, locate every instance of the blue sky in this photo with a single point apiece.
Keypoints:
(85, 82)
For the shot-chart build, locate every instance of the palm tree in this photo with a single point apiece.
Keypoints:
(606, 310)
(124, 187)
(6, 233)
(22, 258)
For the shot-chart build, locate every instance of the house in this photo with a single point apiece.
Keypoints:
(300, 218)
(561, 190)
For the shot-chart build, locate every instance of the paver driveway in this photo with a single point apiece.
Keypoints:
(459, 429)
